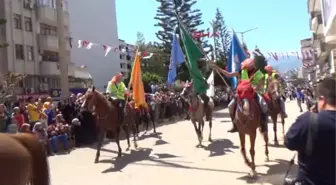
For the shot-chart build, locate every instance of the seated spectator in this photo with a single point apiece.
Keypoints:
(25, 128)
(57, 133)
(41, 134)
(13, 127)
(18, 117)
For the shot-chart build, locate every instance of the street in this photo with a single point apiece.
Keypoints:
(171, 158)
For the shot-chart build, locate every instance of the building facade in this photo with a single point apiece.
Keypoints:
(95, 21)
(308, 60)
(126, 56)
(31, 33)
(323, 25)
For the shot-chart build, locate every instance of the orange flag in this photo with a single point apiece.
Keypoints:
(137, 84)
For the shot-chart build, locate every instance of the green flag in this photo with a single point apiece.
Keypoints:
(193, 53)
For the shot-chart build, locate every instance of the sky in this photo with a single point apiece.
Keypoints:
(281, 23)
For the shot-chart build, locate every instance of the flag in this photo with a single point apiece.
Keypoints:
(211, 82)
(147, 55)
(176, 58)
(236, 57)
(193, 54)
(137, 84)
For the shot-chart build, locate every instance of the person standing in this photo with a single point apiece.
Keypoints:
(299, 97)
(33, 112)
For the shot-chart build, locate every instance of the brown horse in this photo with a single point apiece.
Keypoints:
(274, 107)
(108, 120)
(248, 119)
(197, 112)
(23, 160)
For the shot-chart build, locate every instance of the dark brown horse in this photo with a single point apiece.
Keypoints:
(248, 119)
(23, 160)
(108, 120)
(274, 107)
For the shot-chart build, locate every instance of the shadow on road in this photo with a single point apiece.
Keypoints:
(276, 145)
(275, 174)
(220, 147)
(221, 115)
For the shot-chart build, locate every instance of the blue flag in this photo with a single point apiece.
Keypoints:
(236, 57)
(176, 58)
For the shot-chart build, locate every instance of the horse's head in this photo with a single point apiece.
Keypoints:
(273, 88)
(93, 99)
(245, 93)
(187, 91)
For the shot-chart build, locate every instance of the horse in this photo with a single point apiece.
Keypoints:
(274, 107)
(23, 160)
(143, 116)
(107, 119)
(247, 119)
(197, 112)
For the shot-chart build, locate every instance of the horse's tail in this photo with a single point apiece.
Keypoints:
(40, 168)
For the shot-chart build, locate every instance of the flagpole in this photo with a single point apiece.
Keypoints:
(203, 52)
(129, 83)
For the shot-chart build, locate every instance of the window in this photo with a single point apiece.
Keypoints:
(48, 30)
(17, 21)
(28, 24)
(19, 53)
(50, 56)
(30, 53)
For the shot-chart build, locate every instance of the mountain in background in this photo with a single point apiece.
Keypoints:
(285, 64)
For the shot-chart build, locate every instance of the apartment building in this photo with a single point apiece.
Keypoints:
(31, 32)
(323, 25)
(126, 56)
(308, 60)
(95, 21)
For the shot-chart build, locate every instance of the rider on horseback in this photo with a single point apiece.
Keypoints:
(272, 74)
(249, 69)
(116, 89)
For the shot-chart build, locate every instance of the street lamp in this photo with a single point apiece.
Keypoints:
(246, 31)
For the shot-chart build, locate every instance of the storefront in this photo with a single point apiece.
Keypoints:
(33, 95)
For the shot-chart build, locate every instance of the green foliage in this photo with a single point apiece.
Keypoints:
(151, 78)
(167, 21)
(222, 42)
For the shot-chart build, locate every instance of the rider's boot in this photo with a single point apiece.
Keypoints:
(264, 112)
(232, 108)
(283, 107)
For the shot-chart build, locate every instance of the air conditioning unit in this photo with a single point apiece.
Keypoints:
(43, 87)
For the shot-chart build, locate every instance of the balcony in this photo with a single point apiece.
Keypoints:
(47, 15)
(49, 68)
(50, 42)
(316, 24)
(314, 5)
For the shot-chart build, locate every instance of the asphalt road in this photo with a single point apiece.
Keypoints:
(171, 158)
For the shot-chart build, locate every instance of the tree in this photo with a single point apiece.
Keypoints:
(222, 42)
(167, 21)
(2, 23)
(140, 42)
(8, 83)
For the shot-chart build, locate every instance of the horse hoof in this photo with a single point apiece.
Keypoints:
(267, 159)
(128, 148)
(210, 140)
(276, 143)
(253, 174)
(96, 161)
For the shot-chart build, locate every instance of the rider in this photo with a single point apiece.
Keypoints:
(248, 70)
(116, 89)
(274, 75)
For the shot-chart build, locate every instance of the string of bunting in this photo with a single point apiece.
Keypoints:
(81, 43)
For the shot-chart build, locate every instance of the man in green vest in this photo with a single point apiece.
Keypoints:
(116, 90)
(274, 75)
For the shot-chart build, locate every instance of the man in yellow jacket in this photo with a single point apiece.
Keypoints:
(116, 90)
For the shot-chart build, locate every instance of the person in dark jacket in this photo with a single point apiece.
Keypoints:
(318, 167)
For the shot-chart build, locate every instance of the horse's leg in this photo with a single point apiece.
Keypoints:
(126, 131)
(137, 123)
(196, 130)
(153, 122)
(118, 140)
(275, 119)
(200, 130)
(99, 143)
(242, 149)
(134, 131)
(283, 127)
(210, 129)
(253, 172)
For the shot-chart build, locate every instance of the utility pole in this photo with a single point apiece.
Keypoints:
(243, 32)
(63, 62)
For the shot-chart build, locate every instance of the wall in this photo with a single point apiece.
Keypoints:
(95, 21)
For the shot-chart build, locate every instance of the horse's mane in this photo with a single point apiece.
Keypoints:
(101, 97)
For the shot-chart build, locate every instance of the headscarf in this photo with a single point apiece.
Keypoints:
(247, 64)
(117, 78)
(37, 127)
(269, 69)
